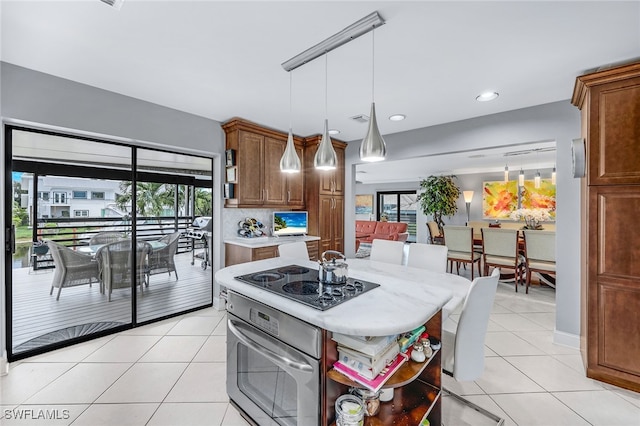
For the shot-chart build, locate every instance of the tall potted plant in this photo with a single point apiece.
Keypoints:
(439, 197)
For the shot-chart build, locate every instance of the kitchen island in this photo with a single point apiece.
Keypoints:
(405, 299)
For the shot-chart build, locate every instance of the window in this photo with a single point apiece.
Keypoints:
(97, 195)
(81, 213)
(399, 206)
(44, 196)
(80, 195)
(60, 197)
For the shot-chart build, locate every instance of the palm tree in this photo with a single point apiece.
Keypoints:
(151, 198)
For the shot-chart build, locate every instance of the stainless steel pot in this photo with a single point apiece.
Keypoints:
(334, 271)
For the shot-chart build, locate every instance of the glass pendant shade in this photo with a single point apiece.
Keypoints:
(326, 157)
(290, 162)
(553, 176)
(536, 180)
(521, 178)
(506, 174)
(373, 147)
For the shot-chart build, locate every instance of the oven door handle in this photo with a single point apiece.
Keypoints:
(274, 357)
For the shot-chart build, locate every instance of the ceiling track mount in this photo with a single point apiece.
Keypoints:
(353, 31)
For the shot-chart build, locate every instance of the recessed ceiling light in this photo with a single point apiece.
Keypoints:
(486, 96)
(397, 117)
(334, 131)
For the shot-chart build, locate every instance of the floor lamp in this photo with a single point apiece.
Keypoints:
(468, 196)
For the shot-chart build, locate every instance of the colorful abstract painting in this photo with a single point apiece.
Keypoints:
(364, 204)
(499, 199)
(539, 198)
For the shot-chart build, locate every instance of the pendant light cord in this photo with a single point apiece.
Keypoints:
(326, 84)
(373, 64)
(290, 99)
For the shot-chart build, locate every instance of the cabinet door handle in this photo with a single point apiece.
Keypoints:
(288, 195)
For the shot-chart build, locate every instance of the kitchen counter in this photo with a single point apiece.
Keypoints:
(267, 241)
(407, 297)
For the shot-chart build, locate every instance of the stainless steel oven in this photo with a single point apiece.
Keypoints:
(273, 364)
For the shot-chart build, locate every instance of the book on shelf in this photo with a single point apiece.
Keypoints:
(409, 338)
(368, 366)
(376, 383)
(366, 345)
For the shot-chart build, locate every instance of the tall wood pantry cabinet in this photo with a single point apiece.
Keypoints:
(324, 196)
(258, 179)
(609, 101)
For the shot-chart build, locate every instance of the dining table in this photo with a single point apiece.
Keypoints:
(92, 249)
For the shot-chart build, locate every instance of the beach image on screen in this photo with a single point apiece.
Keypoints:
(290, 223)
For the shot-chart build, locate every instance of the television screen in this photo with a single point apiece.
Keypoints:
(290, 223)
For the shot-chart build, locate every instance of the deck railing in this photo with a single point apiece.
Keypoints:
(75, 232)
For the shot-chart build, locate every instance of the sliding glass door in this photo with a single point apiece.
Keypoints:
(399, 206)
(97, 237)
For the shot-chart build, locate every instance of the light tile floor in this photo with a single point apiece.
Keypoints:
(529, 380)
(173, 373)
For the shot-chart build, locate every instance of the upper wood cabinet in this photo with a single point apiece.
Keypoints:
(610, 104)
(330, 182)
(259, 181)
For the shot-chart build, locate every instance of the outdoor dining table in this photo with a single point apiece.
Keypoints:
(93, 249)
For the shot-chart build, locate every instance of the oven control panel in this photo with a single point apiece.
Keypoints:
(264, 321)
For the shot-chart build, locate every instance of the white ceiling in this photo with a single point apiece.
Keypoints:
(222, 59)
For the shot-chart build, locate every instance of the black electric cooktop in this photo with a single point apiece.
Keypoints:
(301, 284)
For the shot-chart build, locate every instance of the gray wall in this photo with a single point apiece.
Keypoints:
(558, 121)
(47, 100)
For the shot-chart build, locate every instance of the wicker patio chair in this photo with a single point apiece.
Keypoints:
(161, 260)
(118, 266)
(106, 238)
(71, 268)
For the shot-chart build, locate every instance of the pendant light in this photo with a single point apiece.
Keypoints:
(553, 175)
(521, 178)
(290, 162)
(326, 157)
(373, 147)
(506, 173)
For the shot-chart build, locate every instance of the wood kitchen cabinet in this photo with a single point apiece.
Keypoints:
(235, 253)
(609, 101)
(331, 223)
(324, 196)
(259, 181)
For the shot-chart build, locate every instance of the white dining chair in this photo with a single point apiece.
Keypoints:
(295, 250)
(463, 343)
(387, 251)
(500, 249)
(539, 252)
(428, 256)
(459, 241)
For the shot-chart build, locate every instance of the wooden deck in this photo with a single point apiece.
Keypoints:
(35, 312)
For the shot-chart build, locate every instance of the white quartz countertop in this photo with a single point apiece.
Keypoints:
(267, 241)
(407, 297)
